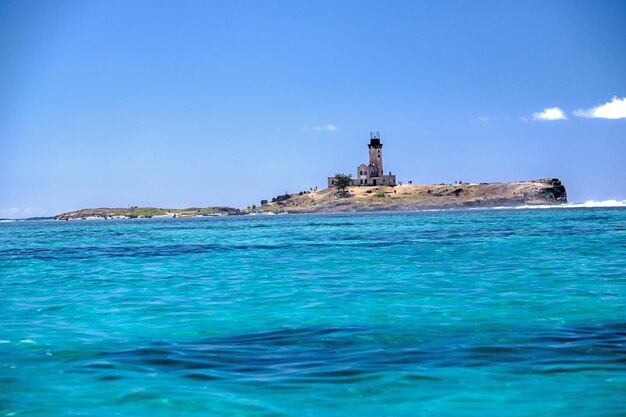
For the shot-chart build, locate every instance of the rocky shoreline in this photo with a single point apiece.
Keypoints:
(414, 197)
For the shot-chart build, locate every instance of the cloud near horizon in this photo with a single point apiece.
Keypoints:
(19, 213)
(550, 113)
(614, 109)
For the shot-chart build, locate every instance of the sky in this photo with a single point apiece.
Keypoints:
(201, 103)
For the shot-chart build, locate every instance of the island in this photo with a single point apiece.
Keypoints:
(371, 190)
(145, 212)
(420, 197)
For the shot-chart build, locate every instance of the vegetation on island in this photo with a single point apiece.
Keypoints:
(342, 182)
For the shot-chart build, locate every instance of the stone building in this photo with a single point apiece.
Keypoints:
(373, 173)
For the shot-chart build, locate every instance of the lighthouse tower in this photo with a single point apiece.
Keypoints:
(376, 155)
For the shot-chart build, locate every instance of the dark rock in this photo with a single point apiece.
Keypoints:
(556, 191)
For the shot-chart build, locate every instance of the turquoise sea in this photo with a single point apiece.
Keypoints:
(487, 312)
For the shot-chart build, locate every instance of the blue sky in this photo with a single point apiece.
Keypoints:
(177, 104)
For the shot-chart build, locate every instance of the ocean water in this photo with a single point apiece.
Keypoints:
(494, 312)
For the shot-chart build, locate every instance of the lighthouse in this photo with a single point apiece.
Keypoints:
(371, 174)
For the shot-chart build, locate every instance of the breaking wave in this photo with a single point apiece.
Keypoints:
(586, 204)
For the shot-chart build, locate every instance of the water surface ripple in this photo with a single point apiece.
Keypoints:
(513, 312)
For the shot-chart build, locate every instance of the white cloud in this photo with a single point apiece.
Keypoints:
(614, 109)
(327, 128)
(486, 118)
(550, 113)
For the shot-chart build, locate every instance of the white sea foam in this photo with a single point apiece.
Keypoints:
(586, 204)
(605, 203)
